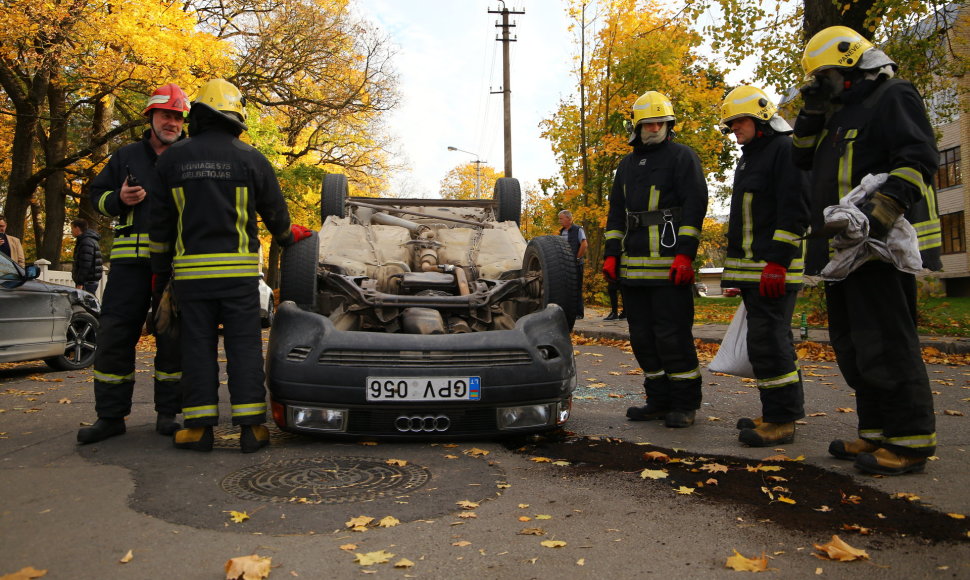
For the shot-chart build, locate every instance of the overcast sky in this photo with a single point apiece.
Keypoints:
(448, 61)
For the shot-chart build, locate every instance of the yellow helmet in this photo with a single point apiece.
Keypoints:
(834, 47)
(747, 101)
(224, 98)
(652, 106)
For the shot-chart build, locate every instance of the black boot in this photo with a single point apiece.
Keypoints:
(647, 412)
(194, 438)
(611, 316)
(253, 438)
(101, 430)
(166, 424)
(679, 419)
(622, 315)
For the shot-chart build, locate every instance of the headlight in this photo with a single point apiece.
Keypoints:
(526, 416)
(317, 419)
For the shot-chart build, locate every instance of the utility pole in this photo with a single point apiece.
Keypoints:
(506, 91)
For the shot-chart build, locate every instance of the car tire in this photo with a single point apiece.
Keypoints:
(82, 344)
(552, 257)
(508, 197)
(298, 272)
(333, 196)
(267, 321)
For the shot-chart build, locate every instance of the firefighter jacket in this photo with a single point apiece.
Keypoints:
(880, 126)
(769, 213)
(204, 228)
(88, 265)
(130, 243)
(657, 209)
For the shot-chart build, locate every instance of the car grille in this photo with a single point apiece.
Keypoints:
(461, 421)
(426, 359)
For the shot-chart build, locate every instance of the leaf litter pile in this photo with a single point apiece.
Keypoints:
(779, 489)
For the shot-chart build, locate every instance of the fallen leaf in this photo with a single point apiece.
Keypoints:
(466, 515)
(451, 457)
(684, 490)
(25, 574)
(845, 410)
(856, 528)
(461, 543)
(823, 508)
(359, 523)
(127, 558)
(370, 558)
(953, 413)
(561, 463)
(817, 415)
(784, 499)
(252, 567)
(543, 517)
(653, 474)
(348, 547)
(853, 499)
(525, 519)
(711, 481)
(714, 468)
(403, 563)
(656, 456)
(64, 401)
(238, 517)
(778, 457)
(553, 543)
(739, 563)
(467, 505)
(957, 516)
(388, 522)
(368, 443)
(541, 460)
(476, 452)
(905, 495)
(581, 562)
(523, 505)
(397, 462)
(532, 532)
(839, 550)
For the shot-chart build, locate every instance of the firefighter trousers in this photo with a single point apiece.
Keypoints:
(771, 350)
(243, 343)
(872, 326)
(124, 307)
(660, 320)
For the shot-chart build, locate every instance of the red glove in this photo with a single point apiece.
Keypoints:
(609, 268)
(773, 280)
(682, 270)
(299, 233)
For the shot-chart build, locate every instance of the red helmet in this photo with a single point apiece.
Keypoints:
(168, 97)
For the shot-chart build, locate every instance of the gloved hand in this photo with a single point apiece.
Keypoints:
(299, 232)
(609, 268)
(682, 270)
(817, 95)
(882, 212)
(773, 280)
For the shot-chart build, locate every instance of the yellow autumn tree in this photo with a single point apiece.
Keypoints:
(473, 180)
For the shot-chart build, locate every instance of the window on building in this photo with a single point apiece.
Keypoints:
(951, 225)
(949, 173)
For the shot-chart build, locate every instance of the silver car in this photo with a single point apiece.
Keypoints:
(49, 322)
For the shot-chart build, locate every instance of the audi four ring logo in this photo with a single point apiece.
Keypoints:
(422, 423)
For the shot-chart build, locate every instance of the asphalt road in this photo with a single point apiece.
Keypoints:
(76, 511)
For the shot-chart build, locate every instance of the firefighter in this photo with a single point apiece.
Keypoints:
(657, 208)
(858, 119)
(204, 231)
(769, 216)
(126, 190)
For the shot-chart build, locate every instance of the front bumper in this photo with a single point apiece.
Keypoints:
(317, 375)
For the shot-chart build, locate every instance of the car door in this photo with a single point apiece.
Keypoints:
(27, 316)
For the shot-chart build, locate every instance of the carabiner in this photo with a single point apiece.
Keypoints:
(668, 218)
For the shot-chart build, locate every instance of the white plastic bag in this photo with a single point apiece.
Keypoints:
(732, 356)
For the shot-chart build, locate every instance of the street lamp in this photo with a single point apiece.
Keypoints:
(478, 170)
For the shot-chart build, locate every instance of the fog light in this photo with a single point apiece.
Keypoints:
(525, 416)
(563, 409)
(317, 419)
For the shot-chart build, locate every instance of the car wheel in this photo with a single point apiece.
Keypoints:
(298, 272)
(267, 321)
(82, 343)
(332, 196)
(552, 258)
(508, 196)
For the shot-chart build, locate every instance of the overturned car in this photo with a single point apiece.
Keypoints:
(423, 318)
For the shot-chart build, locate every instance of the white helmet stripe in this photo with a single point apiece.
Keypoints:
(827, 45)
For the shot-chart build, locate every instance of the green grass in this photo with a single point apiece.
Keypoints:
(937, 316)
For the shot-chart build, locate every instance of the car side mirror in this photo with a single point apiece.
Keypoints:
(32, 272)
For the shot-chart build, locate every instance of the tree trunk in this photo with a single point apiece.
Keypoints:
(820, 14)
(100, 124)
(19, 194)
(55, 191)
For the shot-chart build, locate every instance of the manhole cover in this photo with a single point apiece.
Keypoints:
(317, 480)
(227, 436)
